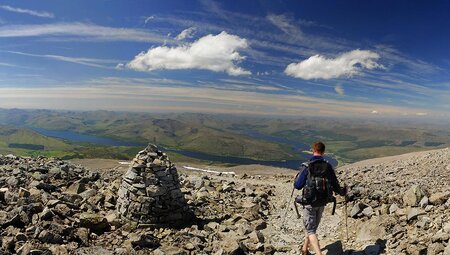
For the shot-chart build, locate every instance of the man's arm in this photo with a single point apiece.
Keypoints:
(335, 183)
(300, 179)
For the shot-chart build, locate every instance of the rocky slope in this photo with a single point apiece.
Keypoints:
(399, 205)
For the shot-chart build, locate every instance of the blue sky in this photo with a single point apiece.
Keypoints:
(293, 58)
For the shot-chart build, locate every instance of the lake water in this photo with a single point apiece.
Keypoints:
(291, 164)
(299, 147)
(79, 138)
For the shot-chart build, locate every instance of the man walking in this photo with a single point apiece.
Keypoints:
(318, 181)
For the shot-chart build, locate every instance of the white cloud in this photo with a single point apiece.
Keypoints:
(421, 113)
(187, 33)
(374, 112)
(339, 89)
(27, 11)
(216, 53)
(83, 30)
(347, 64)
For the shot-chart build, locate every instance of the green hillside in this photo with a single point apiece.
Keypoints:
(27, 142)
(223, 135)
(172, 132)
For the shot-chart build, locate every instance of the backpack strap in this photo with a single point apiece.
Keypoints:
(308, 178)
(317, 160)
(305, 164)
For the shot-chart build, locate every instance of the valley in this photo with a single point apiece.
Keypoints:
(208, 139)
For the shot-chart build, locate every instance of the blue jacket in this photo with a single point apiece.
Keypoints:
(331, 176)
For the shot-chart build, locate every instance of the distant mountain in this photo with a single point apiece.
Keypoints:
(349, 140)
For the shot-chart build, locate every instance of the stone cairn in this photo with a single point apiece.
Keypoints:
(150, 191)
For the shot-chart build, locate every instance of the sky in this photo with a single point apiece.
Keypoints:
(377, 59)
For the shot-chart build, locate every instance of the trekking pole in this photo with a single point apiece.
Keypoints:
(345, 215)
(287, 207)
(296, 209)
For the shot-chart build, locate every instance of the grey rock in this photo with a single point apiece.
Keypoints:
(447, 249)
(439, 198)
(370, 230)
(82, 234)
(423, 202)
(76, 188)
(145, 241)
(412, 196)
(95, 222)
(357, 209)
(446, 227)
(435, 248)
(412, 213)
(393, 208)
(368, 211)
(49, 237)
(440, 236)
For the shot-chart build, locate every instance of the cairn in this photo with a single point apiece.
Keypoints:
(150, 191)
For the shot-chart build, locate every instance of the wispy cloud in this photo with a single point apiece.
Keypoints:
(93, 62)
(218, 53)
(396, 57)
(7, 64)
(339, 89)
(41, 14)
(282, 22)
(148, 19)
(187, 33)
(81, 30)
(213, 100)
(295, 35)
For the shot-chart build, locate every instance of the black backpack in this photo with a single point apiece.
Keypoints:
(317, 190)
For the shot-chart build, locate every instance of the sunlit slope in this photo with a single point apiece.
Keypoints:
(187, 132)
(27, 142)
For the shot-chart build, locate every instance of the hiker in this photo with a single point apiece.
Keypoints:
(317, 180)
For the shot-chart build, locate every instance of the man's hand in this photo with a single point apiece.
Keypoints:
(344, 191)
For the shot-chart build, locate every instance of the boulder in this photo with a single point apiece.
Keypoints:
(94, 222)
(424, 202)
(439, 198)
(144, 241)
(370, 230)
(446, 228)
(368, 211)
(412, 196)
(49, 237)
(76, 188)
(393, 208)
(412, 213)
(435, 248)
(447, 249)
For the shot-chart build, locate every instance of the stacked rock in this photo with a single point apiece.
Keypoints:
(150, 191)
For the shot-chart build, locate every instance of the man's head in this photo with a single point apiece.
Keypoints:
(318, 148)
